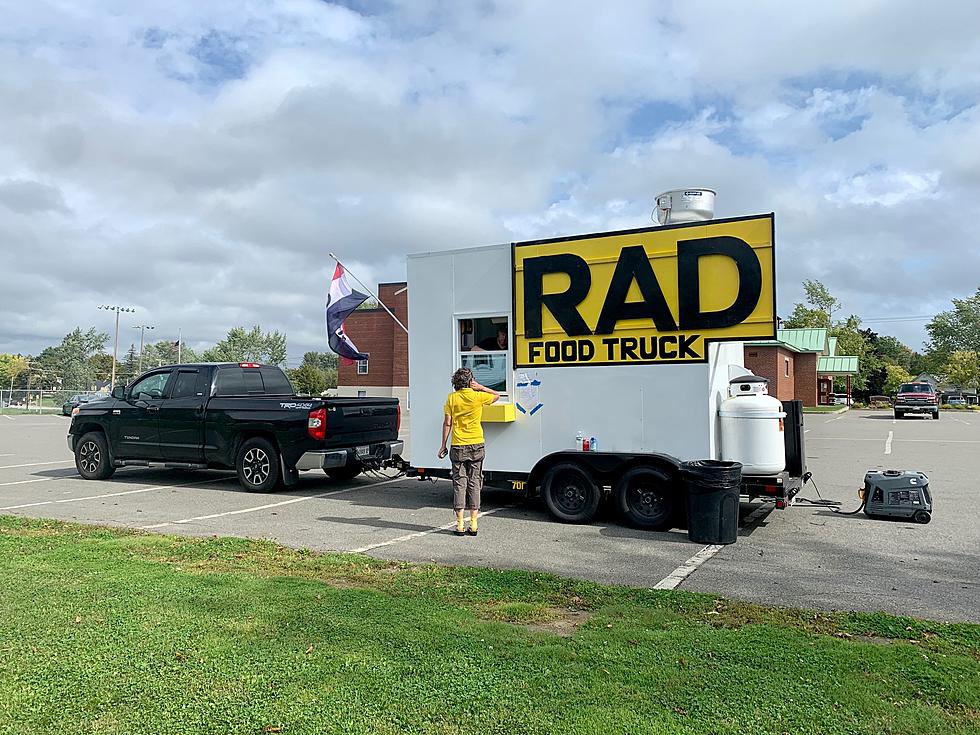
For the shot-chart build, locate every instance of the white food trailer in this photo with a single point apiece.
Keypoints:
(613, 352)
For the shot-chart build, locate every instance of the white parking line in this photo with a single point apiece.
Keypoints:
(6, 455)
(34, 464)
(108, 495)
(685, 570)
(420, 534)
(888, 442)
(24, 482)
(836, 418)
(256, 508)
(961, 421)
(9, 418)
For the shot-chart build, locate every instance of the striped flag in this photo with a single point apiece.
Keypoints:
(341, 301)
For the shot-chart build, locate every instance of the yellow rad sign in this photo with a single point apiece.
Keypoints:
(656, 295)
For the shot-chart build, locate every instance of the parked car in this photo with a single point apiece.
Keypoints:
(916, 398)
(241, 416)
(78, 399)
(955, 401)
(840, 399)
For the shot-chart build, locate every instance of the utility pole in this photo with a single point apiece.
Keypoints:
(115, 344)
(178, 345)
(142, 327)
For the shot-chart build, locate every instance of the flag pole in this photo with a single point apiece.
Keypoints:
(370, 293)
(178, 345)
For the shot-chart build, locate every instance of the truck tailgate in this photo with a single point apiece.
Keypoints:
(361, 421)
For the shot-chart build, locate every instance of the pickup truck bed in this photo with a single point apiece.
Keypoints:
(241, 416)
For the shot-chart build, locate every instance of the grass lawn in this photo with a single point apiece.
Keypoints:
(103, 631)
(822, 409)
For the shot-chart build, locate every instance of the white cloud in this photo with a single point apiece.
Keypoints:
(198, 160)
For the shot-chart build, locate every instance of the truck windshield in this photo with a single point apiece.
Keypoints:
(916, 388)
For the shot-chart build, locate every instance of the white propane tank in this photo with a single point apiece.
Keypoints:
(752, 427)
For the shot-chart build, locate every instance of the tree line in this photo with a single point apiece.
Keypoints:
(951, 353)
(81, 361)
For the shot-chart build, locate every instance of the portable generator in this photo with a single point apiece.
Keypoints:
(897, 494)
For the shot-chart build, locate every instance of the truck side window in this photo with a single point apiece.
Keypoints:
(485, 349)
(185, 385)
(150, 387)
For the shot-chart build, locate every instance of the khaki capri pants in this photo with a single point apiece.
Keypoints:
(467, 474)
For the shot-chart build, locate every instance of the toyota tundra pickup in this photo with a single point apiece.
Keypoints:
(242, 416)
(916, 398)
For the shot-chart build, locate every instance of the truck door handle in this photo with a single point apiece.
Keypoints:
(152, 408)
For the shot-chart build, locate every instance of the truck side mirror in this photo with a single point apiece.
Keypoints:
(119, 391)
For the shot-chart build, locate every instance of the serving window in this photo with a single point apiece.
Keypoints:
(484, 348)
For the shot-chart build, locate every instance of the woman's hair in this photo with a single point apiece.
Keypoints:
(462, 378)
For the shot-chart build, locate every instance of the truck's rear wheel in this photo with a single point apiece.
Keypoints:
(258, 465)
(92, 457)
(571, 493)
(646, 498)
(347, 472)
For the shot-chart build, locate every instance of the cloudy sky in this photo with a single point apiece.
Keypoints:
(198, 160)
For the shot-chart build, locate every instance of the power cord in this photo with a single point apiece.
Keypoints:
(822, 502)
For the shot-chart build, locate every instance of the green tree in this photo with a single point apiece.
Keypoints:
(896, 375)
(128, 368)
(821, 309)
(165, 352)
(963, 369)
(67, 365)
(101, 364)
(955, 330)
(11, 368)
(308, 379)
(251, 346)
(325, 363)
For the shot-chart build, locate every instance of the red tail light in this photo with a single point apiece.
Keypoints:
(249, 364)
(398, 419)
(317, 424)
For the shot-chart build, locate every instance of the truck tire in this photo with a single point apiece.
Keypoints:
(899, 415)
(571, 493)
(935, 414)
(646, 498)
(347, 472)
(92, 457)
(257, 465)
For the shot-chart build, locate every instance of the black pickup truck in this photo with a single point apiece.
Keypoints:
(241, 416)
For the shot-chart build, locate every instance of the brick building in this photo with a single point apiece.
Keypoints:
(800, 364)
(385, 372)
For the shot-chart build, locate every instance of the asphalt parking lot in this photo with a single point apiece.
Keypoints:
(804, 556)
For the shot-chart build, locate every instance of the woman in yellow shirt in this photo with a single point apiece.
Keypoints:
(463, 414)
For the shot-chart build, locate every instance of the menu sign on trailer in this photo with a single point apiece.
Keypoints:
(656, 295)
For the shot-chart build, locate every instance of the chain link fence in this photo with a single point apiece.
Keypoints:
(41, 401)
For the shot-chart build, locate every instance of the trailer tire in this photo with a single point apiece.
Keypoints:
(571, 493)
(257, 465)
(646, 498)
(348, 472)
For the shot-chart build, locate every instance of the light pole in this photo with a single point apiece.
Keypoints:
(142, 327)
(115, 344)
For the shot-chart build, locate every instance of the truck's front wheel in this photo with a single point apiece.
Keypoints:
(646, 498)
(258, 465)
(571, 493)
(92, 457)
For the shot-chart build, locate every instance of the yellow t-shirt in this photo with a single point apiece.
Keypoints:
(465, 407)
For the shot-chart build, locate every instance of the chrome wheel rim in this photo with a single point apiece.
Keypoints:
(256, 466)
(89, 456)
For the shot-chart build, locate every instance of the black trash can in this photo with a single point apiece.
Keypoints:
(712, 500)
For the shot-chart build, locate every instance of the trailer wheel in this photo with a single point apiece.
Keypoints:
(257, 465)
(571, 493)
(348, 472)
(646, 498)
